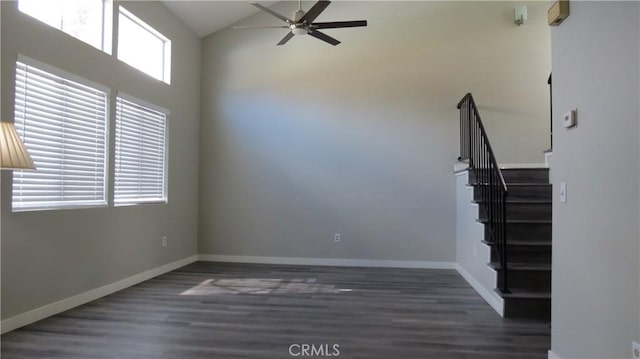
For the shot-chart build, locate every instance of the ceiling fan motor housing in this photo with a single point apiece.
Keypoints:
(298, 15)
(298, 28)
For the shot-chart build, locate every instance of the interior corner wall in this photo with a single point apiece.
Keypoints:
(595, 284)
(302, 141)
(49, 256)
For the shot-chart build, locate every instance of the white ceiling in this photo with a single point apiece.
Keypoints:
(206, 17)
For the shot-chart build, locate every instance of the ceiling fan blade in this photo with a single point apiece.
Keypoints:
(324, 37)
(286, 38)
(261, 27)
(266, 9)
(313, 13)
(338, 24)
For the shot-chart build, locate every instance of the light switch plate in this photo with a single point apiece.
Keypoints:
(636, 350)
(569, 119)
(563, 192)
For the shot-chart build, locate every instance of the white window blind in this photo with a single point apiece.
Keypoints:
(140, 155)
(64, 126)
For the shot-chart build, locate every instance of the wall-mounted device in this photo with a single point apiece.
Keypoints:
(558, 12)
(570, 119)
(520, 15)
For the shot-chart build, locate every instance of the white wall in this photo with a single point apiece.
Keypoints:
(596, 69)
(302, 141)
(472, 256)
(52, 255)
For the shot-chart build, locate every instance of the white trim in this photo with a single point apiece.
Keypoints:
(491, 298)
(547, 159)
(140, 102)
(552, 355)
(123, 12)
(343, 262)
(460, 167)
(142, 23)
(522, 165)
(48, 310)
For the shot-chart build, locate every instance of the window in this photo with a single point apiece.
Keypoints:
(63, 124)
(140, 157)
(86, 20)
(142, 47)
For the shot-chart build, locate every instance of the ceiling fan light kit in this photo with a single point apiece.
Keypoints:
(302, 23)
(298, 30)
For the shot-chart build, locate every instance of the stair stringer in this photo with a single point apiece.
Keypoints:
(472, 255)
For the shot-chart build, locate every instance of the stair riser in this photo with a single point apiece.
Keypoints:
(528, 280)
(526, 175)
(524, 231)
(519, 193)
(526, 254)
(516, 211)
(527, 308)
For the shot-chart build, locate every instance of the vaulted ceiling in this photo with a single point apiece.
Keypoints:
(207, 17)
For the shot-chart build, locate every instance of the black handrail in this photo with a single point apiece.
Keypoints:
(476, 149)
(549, 82)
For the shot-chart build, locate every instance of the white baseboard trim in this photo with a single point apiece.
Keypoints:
(552, 355)
(491, 298)
(341, 262)
(48, 310)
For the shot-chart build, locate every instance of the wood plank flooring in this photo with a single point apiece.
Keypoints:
(218, 310)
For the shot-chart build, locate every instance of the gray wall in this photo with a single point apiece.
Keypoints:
(302, 141)
(472, 255)
(595, 308)
(51, 255)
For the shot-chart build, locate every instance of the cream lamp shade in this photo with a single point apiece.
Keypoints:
(13, 154)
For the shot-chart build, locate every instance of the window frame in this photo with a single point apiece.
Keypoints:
(107, 135)
(165, 180)
(106, 38)
(166, 44)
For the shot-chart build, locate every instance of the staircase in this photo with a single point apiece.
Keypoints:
(528, 244)
(514, 205)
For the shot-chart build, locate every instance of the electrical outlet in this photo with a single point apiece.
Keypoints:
(336, 237)
(164, 241)
(636, 350)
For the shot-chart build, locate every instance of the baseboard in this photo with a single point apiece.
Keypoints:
(552, 355)
(491, 298)
(340, 262)
(48, 310)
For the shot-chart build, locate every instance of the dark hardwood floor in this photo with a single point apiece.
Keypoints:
(216, 310)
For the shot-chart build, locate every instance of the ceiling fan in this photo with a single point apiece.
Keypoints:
(302, 23)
